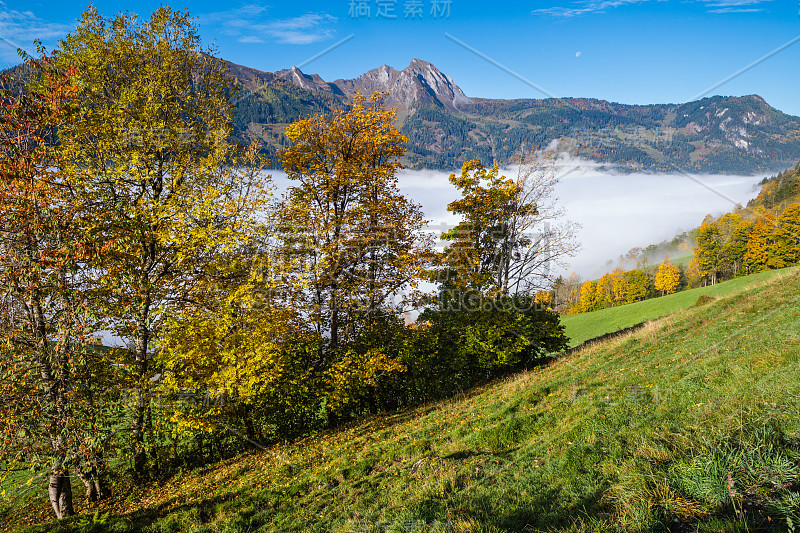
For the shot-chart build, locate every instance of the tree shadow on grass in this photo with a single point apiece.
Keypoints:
(198, 512)
(545, 508)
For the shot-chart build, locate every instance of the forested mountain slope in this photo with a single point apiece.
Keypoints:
(445, 127)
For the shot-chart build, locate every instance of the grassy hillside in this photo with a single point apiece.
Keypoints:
(586, 326)
(682, 260)
(690, 423)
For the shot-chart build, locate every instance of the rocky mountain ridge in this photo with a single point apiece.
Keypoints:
(445, 127)
(420, 84)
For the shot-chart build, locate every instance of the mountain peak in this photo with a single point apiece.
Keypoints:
(437, 83)
(716, 134)
(417, 63)
(420, 84)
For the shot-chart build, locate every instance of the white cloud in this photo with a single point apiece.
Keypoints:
(306, 29)
(585, 7)
(251, 24)
(734, 6)
(250, 39)
(735, 10)
(18, 29)
(733, 3)
(591, 7)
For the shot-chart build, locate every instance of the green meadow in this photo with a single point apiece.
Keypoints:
(586, 326)
(689, 423)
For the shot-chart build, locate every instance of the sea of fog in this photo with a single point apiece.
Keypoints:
(616, 211)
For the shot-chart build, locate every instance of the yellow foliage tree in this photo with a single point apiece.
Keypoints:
(169, 194)
(619, 286)
(604, 291)
(587, 300)
(352, 242)
(763, 246)
(356, 235)
(482, 242)
(668, 277)
(543, 299)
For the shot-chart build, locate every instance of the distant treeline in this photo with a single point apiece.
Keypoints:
(765, 235)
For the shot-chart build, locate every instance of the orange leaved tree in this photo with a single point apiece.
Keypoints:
(50, 378)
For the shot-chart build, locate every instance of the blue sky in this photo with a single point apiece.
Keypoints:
(630, 51)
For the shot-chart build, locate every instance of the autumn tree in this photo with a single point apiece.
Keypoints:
(482, 240)
(541, 236)
(604, 291)
(166, 190)
(638, 285)
(619, 286)
(345, 222)
(508, 238)
(707, 250)
(543, 299)
(721, 247)
(735, 232)
(50, 380)
(566, 292)
(764, 246)
(789, 233)
(588, 297)
(241, 348)
(668, 277)
(693, 275)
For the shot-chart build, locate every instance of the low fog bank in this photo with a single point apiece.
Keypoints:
(621, 211)
(617, 211)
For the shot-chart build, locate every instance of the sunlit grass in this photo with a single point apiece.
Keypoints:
(637, 433)
(586, 326)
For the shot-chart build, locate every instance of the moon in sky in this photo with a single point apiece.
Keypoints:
(578, 54)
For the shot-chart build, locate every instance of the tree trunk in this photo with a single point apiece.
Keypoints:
(96, 490)
(92, 488)
(334, 311)
(142, 402)
(60, 492)
(60, 487)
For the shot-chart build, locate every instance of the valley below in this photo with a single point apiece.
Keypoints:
(616, 211)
